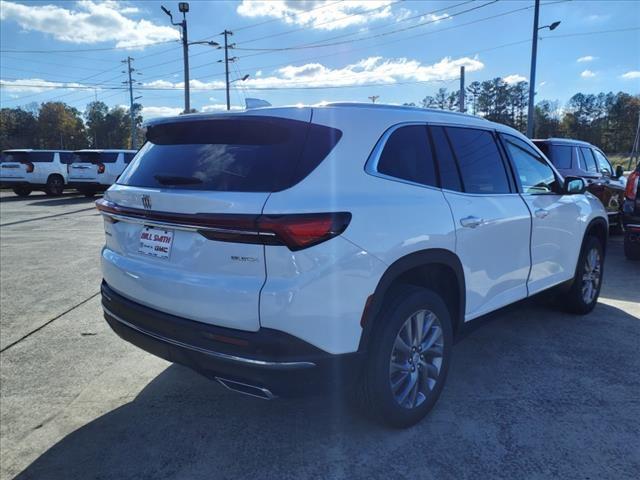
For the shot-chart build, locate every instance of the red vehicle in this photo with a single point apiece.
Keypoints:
(631, 216)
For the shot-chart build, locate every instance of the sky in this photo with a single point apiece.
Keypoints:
(307, 52)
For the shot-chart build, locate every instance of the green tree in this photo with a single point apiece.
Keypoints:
(61, 126)
(18, 129)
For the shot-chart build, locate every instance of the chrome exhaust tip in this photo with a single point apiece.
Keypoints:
(246, 389)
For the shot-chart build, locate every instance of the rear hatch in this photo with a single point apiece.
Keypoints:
(14, 165)
(179, 221)
(84, 166)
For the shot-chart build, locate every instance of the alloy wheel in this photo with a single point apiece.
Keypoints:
(591, 275)
(416, 359)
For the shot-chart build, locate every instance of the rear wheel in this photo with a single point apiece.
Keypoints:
(22, 191)
(631, 248)
(55, 186)
(583, 294)
(408, 359)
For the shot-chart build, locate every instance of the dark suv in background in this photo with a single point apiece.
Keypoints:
(575, 158)
(631, 216)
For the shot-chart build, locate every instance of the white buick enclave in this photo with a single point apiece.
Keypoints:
(283, 249)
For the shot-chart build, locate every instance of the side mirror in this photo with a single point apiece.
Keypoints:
(574, 185)
(619, 171)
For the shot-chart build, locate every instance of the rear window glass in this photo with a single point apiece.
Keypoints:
(561, 155)
(95, 157)
(33, 157)
(407, 155)
(248, 154)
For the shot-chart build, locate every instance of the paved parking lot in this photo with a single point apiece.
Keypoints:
(532, 393)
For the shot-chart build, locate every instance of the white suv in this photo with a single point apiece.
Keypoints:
(94, 171)
(26, 170)
(279, 250)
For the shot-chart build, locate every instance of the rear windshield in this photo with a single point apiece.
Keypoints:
(95, 157)
(240, 154)
(21, 157)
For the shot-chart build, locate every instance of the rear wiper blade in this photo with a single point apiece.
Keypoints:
(176, 180)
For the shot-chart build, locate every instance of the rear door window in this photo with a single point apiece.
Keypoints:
(479, 160)
(66, 158)
(603, 164)
(109, 157)
(241, 154)
(407, 155)
(449, 173)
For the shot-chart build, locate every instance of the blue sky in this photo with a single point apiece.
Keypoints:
(293, 51)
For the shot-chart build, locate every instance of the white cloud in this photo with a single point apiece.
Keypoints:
(87, 22)
(335, 16)
(632, 75)
(588, 74)
(435, 18)
(152, 112)
(34, 85)
(586, 58)
(219, 107)
(596, 18)
(366, 71)
(514, 78)
(542, 84)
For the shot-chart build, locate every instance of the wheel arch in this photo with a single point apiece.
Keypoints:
(437, 269)
(599, 228)
(56, 174)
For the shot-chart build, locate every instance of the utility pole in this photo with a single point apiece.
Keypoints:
(130, 70)
(461, 93)
(184, 8)
(373, 98)
(226, 34)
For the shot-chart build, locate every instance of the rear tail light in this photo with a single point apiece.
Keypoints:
(100, 167)
(632, 185)
(29, 166)
(296, 231)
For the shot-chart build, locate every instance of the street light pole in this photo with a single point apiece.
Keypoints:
(184, 8)
(532, 76)
(226, 33)
(534, 59)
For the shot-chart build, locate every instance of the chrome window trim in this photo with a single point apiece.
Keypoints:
(221, 356)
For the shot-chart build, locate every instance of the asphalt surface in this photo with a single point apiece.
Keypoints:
(532, 393)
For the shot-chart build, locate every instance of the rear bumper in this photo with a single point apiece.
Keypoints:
(270, 359)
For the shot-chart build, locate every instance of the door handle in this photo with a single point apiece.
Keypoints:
(471, 222)
(541, 213)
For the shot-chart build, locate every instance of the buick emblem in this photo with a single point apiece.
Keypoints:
(146, 202)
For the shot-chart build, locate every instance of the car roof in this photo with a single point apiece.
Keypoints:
(29, 150)
(103, 150)
(428, 114)
(563, 141)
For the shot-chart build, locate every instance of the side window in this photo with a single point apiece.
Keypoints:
(562, 155)
(588, 160)
(603, 163)
(407, 155)
(449, 174)
(128, 157)
(108, 157)
(479, 160)
(41, 157)
(535, 174)
(66, 158)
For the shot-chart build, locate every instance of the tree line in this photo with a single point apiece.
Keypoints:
(608, 120)
(56, 125)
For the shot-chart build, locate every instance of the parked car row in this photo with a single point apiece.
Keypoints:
(52, 171)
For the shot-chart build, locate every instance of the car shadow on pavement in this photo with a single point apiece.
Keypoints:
(530, 393)
(66, 200)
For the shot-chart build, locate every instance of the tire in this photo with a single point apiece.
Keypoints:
(375, 392)
(55, 186)
(22, 191)
(631, 249)
(581, 298)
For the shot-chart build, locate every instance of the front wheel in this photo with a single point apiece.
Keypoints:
(22, 191)
(408, 359)
(583, 294)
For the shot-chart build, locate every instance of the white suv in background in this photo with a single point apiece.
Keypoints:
(283, 249)
(94, 171)
(26, 170)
